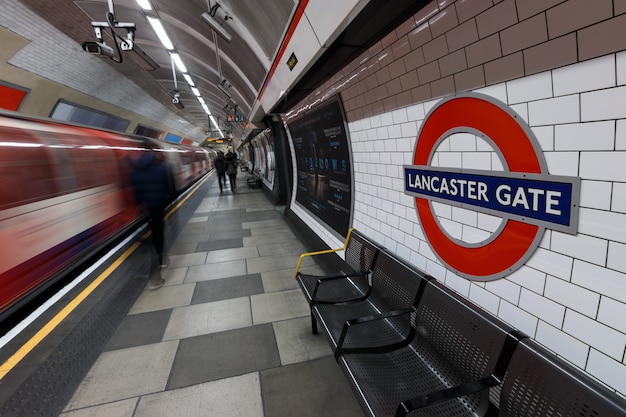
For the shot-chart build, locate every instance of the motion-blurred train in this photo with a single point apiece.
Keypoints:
(65, 192)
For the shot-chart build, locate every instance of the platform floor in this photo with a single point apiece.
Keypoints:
(228, 334)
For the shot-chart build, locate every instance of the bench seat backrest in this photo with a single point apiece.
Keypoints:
(459, 339)
(540, 384)
(360, 253)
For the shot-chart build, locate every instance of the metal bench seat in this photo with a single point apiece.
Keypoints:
(454, 355)
(540, 384)
(350, 283)
(394, 286)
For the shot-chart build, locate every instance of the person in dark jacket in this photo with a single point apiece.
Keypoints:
(231, 169)
(153, 188)
(220, 168)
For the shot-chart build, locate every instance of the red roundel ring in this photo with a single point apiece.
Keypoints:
(510, 249)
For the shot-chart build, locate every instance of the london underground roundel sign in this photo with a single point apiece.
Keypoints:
(524, 195)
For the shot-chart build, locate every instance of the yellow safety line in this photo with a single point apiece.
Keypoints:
(61, 315)
(322, 252)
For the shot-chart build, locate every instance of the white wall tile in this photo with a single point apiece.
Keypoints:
(606, 166)
(611, 372)
(497, 91)
(617, 257)
(583, 247)
(485, 299)
(568, 347)
(535, 87)
(595, 334)
(618, 202)
(596, 194)
(504, 289)
(545, 137)
(620, 136)
(585, 136)
(573, 296)
(603, 104)
(477, 160)
(621, 68)
(562, 163)
(551, 263)
(600, 280)
(585, 76)
(612, 314)
(547, 310)
(518, 318)
(602, 224)
(529, 278)
(553, 111)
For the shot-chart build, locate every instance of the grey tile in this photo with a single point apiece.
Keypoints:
(139, 329)
(315, 388)
(221, 355)
(217, 398)
(296, 343)
(220, 244)
(225, 255)
(207, 318)
(222, 289)
(164, 298)
(123, 408)
(216, 271)
(280, 280)
(276, 306)
(229, 234)
(125, 373)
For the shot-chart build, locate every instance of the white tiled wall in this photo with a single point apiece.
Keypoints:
(571, 294)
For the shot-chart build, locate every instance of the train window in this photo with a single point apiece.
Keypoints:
(26, 169)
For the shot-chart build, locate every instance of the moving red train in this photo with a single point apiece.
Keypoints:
(64, 192)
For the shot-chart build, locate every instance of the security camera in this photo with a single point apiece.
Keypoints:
(177, 103)
(98, 48)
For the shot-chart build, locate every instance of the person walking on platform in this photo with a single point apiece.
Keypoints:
(231, 169)
(220, 168)
(153, 188)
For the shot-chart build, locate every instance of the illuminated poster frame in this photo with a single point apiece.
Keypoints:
(324, 169)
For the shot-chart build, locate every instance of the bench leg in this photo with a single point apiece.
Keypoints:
(313, 324)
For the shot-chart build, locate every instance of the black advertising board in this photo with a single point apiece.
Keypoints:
(324, 183)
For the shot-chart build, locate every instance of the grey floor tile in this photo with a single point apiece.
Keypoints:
(308, 389)
(125, 373)
(227, 288)
(220, 244)
(280, 280)
(124, 408)
(291, 246)
(271, 263)
(229, 234)
(224, 255)
(296, 342)
(166, 297)
(140, 329)
(216, 271)
(276, 306)
(237, 396)
(207, 318)
(178, 261)
(222, 355)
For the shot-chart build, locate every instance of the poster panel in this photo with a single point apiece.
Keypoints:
(324, 183)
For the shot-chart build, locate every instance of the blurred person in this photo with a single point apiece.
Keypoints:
(220, 167)
(231, 169)
(153, 187)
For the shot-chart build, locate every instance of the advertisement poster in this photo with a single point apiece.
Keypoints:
(324, 183)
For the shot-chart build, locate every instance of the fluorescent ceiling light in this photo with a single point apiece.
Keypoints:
(206, 109)
(216, 126)
(160, 31)
(189, 80)
(195, 91)
(201, 100)
(144, 4)
(179, 63)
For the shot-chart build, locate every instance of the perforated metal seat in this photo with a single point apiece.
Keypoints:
(395, 286)
(455, 343)
(349, 284)
(540, 384)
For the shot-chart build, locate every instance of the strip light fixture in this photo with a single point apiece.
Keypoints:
(158, 28)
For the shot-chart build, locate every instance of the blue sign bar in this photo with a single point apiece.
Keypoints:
(546, 200)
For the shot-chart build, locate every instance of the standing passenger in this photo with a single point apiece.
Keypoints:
(231, 169)
(220, 167)
(153, 187)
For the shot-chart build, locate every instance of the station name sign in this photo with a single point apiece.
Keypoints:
(544, 200)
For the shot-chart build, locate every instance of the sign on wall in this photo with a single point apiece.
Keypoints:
(525, 196)
(324, 183)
